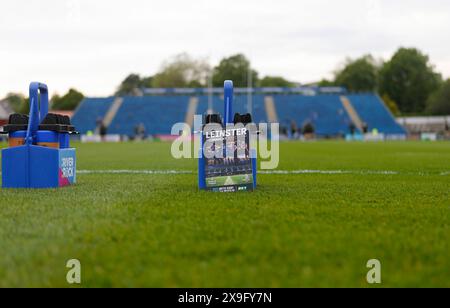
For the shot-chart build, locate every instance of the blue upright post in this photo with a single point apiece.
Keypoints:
(228, 95)
(201, 166)
(254, 167)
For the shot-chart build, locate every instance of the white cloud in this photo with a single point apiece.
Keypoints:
(93, 45)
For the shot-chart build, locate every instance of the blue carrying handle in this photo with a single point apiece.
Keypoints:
(38, 109)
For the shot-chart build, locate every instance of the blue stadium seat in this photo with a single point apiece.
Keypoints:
(372, 110)
(157, 113)
(89, 111)
(239, 106)
(325, 112)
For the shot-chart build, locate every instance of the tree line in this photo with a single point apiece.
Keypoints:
(408, 82)
(69, 101)
(183, 71)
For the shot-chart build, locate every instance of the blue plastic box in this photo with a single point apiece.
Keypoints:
(33, 165)
(228, 119)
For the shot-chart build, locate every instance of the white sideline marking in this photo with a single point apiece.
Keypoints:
(276, 172)
(133, 172)
(328, 172)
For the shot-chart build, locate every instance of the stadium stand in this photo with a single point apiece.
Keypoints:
(156, 113)
(89, 112)
(331, 114)
(375, 114)
(325, 112)
(240, 106)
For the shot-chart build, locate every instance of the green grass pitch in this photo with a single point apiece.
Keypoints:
(388, 201)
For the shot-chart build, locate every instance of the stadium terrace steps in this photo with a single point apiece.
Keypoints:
(89, 112)
(113, 111)
(352, 113)
(270, 109)
(192, 108)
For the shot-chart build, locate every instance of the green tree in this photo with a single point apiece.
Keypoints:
(133, 83)
(129, 85)
(16, 101)
(182, 71)
(439, 101)
(25, 106)
(326, 83)
(70, 101)
(275, 81)
(360, 75)
(391, 104)
(55, 98)
(409, 79)
(146, 82)
(235, 68)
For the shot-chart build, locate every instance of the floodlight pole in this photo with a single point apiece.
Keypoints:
(210, 94)
(250, 91)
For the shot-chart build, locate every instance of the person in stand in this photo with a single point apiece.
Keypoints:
(98, 123)
(103, 131)
(365, 128)
(447, 130)
(308, 131)
(283, 131)
(294, 130)
(352, 128)
(140, 132)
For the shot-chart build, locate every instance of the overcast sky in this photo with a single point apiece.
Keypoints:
(93, 44)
